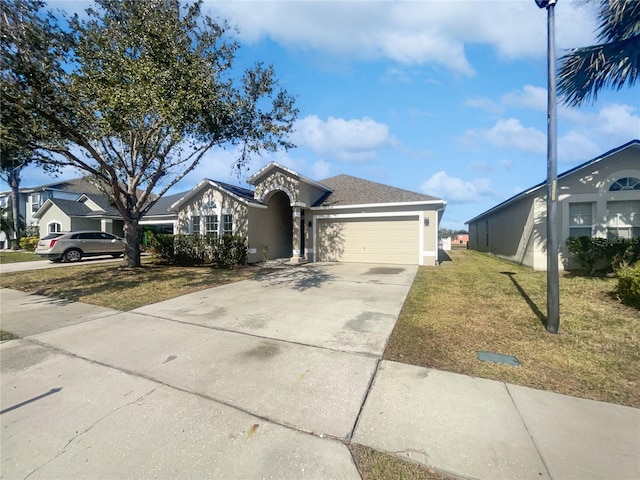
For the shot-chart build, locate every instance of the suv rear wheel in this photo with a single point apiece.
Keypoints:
(72, 255)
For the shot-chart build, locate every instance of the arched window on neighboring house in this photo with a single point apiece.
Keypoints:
(627, 183)
(623, 216)
(54, 227)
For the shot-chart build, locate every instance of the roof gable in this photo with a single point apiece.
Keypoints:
(634, 144)
(269, 168)
(241, 194)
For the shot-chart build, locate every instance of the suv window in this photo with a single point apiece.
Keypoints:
(87, 236)
(106, 236)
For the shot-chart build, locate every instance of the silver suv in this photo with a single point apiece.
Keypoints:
(72, 246)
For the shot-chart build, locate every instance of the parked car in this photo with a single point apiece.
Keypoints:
(72, 246)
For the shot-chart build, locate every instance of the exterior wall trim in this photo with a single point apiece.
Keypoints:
(379, 205)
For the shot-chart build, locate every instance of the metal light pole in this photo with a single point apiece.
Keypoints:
(553, 288)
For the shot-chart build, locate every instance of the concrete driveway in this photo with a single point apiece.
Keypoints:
(278, 367)
(345, 307)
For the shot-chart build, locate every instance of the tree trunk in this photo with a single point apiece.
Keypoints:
(14, 182)
(132, 243)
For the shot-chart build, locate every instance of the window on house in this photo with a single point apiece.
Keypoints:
(623, 219)
(211, 224)
(54, 227)
(227, 224)
(627, 183)
(36, 202)
(195, 224)
(580, 219)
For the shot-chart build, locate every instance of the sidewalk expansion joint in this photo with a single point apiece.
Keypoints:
(364, 401)
(189, 392)
(506, 386)
(261, 337)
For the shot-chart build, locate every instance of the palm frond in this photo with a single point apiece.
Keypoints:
(585, 71)
(619, 20)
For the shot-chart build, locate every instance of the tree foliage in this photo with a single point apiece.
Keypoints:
(136, 93)
(31, 47)
(614, 62)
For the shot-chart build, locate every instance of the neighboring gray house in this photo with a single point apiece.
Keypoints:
(599, 198)
(30, 199)
(88, 212)
(342, 218)
(94, 212)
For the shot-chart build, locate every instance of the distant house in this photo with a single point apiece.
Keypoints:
(342, 218)
(30, 199)
(94, 212)
(460, 239)
(599, 198)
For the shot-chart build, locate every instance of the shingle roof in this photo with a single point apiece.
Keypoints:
(348, 190)
(74, 208)
(163, 206)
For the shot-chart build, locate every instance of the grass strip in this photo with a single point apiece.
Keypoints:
(480, 302)
(374, 465)
(113, 286)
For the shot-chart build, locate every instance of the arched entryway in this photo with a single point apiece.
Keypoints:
(280, 221)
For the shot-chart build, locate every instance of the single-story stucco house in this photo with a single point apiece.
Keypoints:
(599, 198)
(342, 218)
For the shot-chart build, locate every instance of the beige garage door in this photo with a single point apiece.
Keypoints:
(380, 240)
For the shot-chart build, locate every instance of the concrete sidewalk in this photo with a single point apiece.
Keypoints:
(167, 391)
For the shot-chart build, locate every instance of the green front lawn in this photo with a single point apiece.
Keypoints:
(111, 285)
(479, 302)
(17, 256)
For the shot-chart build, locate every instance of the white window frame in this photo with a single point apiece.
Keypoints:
(617, 223)
(586, 213)
(36, 202)
(227, 217)
(195, 224)
(51, 227)
(211, 227)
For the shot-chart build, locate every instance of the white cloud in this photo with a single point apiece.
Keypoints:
(619, 121)
(350, 140)
(531, 97)
(509, 134)
(455, 190)
(410, 33)
(575, 146)
(320, 169)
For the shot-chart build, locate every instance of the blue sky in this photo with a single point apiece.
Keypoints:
(446, 98)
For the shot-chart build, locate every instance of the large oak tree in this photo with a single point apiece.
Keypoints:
(137, 93)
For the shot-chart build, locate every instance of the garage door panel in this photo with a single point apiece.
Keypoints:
(380, 240)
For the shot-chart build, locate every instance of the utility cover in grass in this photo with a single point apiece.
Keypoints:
(498, 358)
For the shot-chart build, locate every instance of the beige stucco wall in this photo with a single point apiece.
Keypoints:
(518, 231)
(54, 214)
(248, 221)
(514, 233)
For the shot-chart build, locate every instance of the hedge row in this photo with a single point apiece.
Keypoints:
(629, 285)
(601, 255)
(227, 251)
